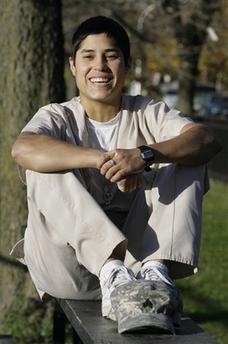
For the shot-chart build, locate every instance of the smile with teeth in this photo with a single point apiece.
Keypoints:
(100, 80)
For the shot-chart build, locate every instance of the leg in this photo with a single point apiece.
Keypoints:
(173, 229)
(170, 231)
(67, 235)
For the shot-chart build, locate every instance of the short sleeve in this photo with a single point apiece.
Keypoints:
(164, 123)
(47, 121)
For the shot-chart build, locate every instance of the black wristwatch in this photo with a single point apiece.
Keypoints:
(147, 154)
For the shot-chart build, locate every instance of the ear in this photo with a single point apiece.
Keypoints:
(72, 66)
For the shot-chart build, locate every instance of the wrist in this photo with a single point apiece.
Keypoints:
(147, 154)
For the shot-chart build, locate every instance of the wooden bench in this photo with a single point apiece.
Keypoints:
(91, 328)
(6, 339)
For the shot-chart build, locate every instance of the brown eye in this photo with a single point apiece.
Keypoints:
(88, 57)
(112, 57)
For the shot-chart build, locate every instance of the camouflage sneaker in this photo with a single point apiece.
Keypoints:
(118, 276)
(146, 305)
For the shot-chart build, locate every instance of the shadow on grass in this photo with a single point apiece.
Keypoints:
(203, 317)
(209, 310)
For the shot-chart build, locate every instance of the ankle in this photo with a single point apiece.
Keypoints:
(119, 252)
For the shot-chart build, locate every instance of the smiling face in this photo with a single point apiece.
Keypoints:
(99, 70)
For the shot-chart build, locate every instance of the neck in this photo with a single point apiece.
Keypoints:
(101, 112)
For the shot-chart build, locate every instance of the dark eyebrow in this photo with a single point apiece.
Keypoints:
(106, 50)
(116, 50)
(86, 51)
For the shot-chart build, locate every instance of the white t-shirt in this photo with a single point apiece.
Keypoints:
(101, 133)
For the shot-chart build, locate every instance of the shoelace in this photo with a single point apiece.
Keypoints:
(115, 278)
(154, 274)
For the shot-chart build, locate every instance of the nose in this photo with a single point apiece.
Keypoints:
(100, 63)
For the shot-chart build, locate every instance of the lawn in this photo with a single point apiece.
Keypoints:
(206, 293)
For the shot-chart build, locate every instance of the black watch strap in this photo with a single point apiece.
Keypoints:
(147, 154)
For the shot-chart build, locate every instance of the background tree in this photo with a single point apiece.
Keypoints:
(171, 39)
(190, 21)
(213, 62)
(32, 62)
(175, 30)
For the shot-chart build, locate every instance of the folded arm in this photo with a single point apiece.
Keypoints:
(196, 145)
(43, 153)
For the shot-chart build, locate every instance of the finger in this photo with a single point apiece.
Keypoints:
(109, 169)
(130, 183)
(112, 161)
(103, 159)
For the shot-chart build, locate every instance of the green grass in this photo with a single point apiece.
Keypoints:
(28, 320)
(206, 294)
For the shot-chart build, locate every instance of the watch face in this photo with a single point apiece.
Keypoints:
(148, 155)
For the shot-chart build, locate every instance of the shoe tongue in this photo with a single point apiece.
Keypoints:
(156, 274)
(152, 274)
(108, 267)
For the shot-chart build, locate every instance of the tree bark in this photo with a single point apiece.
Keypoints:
(190, 27)
(31, 69)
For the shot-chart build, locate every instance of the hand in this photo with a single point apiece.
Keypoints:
(130, 183)
(121, 164)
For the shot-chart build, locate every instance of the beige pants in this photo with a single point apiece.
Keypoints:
(69, 236)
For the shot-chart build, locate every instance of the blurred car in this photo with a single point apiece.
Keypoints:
(201, 90)
(215, 105)
(170, 97)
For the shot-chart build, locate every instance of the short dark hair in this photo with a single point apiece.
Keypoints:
(101, 24)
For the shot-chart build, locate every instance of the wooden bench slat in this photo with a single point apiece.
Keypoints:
(6, 339)
(92, 328)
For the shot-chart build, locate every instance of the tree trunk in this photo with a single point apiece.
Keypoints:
(188, 53)
(190, 24)
(31, 69)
